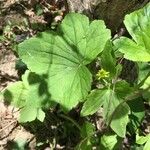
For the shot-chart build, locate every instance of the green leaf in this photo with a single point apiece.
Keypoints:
(30, 113)
(116, 113)
(142, 139)
(85, 145)
(88, 39)
(123, 89)
(109, 142)
(115, 110)
(27, 114)
(120, 119)
(15, 94)
(144, 79)
(37, 96)
(30, 95)
(40, 115)
(137, 108)
(147, 145)
(94, 101)
(131, 50)
(143, 71)
(108, 60)
(138, 25)
(87, 130)
(63, 56)
(110, 104)
(137, 114)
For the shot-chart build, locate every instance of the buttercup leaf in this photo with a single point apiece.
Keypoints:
(108, 60)
(63, 56)
(131, 50)
(28, 95)
(94, 101)
(109, 142)
(120, 120)
(15, 94)
(138, 25)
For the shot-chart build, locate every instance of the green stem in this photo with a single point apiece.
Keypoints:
(71, 120)
(111, 95)
(133, 96)
(142, 82)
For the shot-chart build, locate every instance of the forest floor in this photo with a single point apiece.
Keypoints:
(20, 19)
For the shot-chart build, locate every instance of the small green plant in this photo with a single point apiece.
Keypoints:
(143, 140)
(57, 64)
(59, 73)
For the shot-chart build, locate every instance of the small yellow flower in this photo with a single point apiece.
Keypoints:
(102, 74)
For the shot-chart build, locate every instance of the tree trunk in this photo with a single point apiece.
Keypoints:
(111, 11)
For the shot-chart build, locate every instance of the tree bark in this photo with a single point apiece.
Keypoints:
(111, 11)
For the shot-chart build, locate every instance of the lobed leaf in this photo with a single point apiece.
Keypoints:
(138, 25)
(115, 110)
(94, 101)
(62, 57)
(109, 142)
(28, 95)
(108, 60)
(120, 120)
(15, 94)
(131, 50)
(142, 139)
(147, 145)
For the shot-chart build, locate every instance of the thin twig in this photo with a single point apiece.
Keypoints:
(15, 121)
(6, 76)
